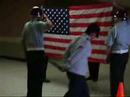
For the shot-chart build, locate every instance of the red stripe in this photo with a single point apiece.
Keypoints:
(57, 39)
(98, 42)
(55, 56)
(103, 33)
(93, 6)
(104, 24)
(95, 51)
(54, 47)
(94, 15)
(76, 33)
(97, 60)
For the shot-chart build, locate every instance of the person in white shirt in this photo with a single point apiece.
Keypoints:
(33, 41)
(118, 43)
(76, 62)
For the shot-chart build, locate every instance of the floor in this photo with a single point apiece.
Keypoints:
(13, 81)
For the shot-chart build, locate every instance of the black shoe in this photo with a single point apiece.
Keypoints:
(46, 81)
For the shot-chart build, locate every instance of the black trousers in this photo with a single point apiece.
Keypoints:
(94, 70)
(45, 67)
(35, 73)
(117, 68)
(77, 86)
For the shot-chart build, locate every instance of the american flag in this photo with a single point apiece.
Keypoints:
(71, 22)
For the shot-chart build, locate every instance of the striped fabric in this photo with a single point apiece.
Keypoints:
(79, 18)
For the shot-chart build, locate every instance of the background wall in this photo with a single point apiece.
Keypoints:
(14, 13)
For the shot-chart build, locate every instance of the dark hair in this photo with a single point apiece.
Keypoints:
(120, 14)
(36, 11)
(123, 15)
(93, 28)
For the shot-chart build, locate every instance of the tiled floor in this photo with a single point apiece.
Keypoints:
(13, 81)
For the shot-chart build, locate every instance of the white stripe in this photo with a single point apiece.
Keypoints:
(91, 20)
(90, 11)
(99, 47)
(98, 56)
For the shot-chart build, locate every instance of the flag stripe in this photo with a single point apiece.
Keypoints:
(55, 47)
(58, 40)
(101, 42)
(105, 24)
(64, 46)
(90, 20)
(101, 51)
(90, 11)
(96, 60)
(106, 14)
(93, 6)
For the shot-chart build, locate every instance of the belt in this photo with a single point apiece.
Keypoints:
(120, 51)
(34, 49)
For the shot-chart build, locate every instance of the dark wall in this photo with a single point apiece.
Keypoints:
(13, 14)
(66, 3)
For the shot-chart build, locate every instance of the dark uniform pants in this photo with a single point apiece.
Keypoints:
(35, 71)
(117, 68)
(77, 86)
(94, 70)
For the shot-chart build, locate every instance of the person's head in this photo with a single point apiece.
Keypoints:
(116, 16)
(123, 15)
(120, 15)
(36, 12)
(93, 30)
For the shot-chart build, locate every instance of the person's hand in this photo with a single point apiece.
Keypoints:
(48, 20)
(45, 16)
(108, 59)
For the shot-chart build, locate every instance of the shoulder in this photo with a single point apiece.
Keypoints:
(41, 22)
(27, 23)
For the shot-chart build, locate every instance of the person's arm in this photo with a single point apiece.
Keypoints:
(109, 43)
(49, 22)
(108, 53)
(81, 52)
